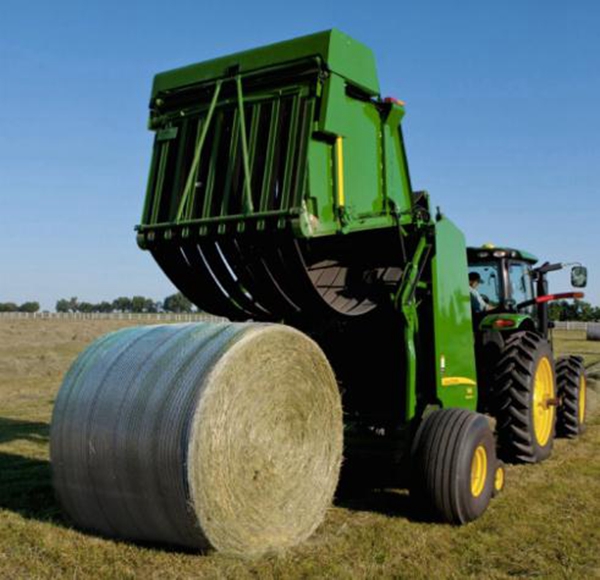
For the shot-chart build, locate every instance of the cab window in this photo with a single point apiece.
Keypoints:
(489, 287)
(520, 281)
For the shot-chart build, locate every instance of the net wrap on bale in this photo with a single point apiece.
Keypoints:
(199, 435)
(593, 331)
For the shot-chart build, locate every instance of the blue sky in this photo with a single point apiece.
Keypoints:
(502, 125)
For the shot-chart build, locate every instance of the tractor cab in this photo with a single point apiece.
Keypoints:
(507, 275)
(506, 282)
(515, 290)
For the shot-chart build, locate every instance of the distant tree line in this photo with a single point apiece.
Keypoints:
(174, 303)
(574, 310)
(25, 307)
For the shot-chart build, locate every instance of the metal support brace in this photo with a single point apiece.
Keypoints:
(189, 184)
(247, 182)
(406, 302)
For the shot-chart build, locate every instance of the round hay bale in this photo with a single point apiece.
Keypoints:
(593, 388)
(223, 435)
(593, 331)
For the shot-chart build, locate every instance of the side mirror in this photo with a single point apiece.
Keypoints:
(579, 276)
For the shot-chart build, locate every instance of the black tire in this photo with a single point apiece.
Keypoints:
(571, 380)
(488, 348)
(443, 457)
(524, 423)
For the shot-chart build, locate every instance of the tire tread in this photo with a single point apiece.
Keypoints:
(436, 456)
(569, 369)
(511, 397)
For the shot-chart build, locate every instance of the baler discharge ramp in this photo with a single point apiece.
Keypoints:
(277, 182)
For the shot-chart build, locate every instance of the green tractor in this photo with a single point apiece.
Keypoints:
(279, 193)
(515, 365)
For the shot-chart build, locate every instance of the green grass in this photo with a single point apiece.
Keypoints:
(545, 525)
(574, 342)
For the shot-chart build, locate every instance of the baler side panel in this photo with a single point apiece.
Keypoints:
(320, 198)
(374, 168)
(358, 123)
(397, 178)
(455, 371)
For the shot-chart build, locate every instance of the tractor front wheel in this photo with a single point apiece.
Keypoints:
(524, 398)
(453, 465)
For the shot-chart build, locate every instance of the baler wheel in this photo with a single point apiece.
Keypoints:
(499, 478)
(524, 399)
(453, 458)
(571, 380)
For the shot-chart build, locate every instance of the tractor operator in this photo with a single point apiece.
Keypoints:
(478, 304)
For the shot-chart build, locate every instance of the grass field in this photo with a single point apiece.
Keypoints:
(545, 525)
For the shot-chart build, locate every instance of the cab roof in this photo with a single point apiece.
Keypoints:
(491, 252)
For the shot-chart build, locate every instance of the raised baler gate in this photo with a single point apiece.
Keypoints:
(261, 162)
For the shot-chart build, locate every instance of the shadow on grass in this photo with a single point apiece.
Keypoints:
(388, 502)
(26, 488)
(25, 482)
(11, 429)
(371, 487)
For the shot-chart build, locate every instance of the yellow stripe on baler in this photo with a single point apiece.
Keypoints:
(339, 165)
(453, 381)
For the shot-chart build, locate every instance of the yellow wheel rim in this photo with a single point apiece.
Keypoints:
(478, 471)
(499, 479)
(582, 386)
(543, 396)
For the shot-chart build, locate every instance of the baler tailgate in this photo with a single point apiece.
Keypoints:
(222, 163)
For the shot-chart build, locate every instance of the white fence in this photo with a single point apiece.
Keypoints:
(572, 325)
(146, 316)
(190, 317)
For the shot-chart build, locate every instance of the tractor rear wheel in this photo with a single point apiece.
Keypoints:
(524, 398)
(571, 380)
(453, 465)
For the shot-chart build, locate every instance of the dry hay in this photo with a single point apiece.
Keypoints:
(593, 331)
(593, 387)
(222, 435)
